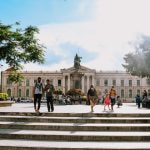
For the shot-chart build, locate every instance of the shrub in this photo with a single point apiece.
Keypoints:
(3, 96)
(75, 92)
(58, 92)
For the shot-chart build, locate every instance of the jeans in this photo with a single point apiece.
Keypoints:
(37, 98)
(50, 103)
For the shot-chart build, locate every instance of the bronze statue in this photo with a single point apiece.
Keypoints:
(77, 61)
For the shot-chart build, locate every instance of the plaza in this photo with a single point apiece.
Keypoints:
(28, 107)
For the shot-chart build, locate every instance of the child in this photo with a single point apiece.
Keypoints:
(119, 103)
(106, 101)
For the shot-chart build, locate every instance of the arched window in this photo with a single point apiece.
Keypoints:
(9, 92)
(19, 92)
(130, 93)
(139, 92)
(27, 93)
(122, 93)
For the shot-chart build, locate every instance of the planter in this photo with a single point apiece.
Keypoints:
(6, 103)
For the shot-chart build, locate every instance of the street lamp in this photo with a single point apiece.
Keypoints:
(1, 76)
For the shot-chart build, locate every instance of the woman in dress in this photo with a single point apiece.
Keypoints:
(107, 102)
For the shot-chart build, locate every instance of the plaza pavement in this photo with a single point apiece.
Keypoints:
(28, 107)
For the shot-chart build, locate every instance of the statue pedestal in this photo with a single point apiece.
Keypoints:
(76, 79)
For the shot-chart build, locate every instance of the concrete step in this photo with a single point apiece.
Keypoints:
(60, 145)
(74, 126)
(73, 135)
(76, 119)
(107, 114)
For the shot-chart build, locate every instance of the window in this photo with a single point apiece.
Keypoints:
(139, 92)
(122, 93)
(9, 92)
(9, 82)
(27, 93)
(138, 82)
(122, 82)
(97, 82)
(114, 82)
(27, 82)
(148, 81)
(59, 82)
(130, 93)
(19, 92)
(105, 82)
(130, 82)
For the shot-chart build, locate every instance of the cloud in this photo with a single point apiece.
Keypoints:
(107, 34)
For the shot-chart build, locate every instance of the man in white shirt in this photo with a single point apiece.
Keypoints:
(38, 91)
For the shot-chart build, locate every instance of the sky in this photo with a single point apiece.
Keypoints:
(100, 31)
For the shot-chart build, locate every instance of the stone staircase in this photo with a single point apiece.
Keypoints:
(74, 131)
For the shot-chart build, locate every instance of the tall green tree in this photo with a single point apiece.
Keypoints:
(138, 63)
(18, 46)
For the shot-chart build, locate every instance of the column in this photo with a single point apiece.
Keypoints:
(88, 86)
(82, 83)
(93, 81)
(63, 84)
(55, 83)
(68, 81)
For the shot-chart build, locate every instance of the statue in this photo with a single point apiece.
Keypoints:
(77, 61)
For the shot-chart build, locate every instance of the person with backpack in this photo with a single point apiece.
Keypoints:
(92, 96)
(38, 91)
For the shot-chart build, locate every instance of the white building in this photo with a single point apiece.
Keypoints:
(127, 86)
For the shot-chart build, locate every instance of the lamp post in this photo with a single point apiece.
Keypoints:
(1, 76)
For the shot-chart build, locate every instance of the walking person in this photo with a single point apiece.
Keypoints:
(112, 95)
(92, 95)
(38, 91)
(144, 96)
(107, 102)
(138, 100)
(49, 89)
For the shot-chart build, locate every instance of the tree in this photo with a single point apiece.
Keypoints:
(19, 46)
(138, 63)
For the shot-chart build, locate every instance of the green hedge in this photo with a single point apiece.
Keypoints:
(3, 96)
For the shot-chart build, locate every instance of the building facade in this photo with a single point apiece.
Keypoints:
(127, 86)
